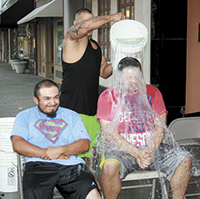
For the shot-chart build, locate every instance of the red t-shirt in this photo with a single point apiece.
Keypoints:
(132, 126)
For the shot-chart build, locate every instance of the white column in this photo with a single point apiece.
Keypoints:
(3, 45)
(9, 45)
(143, 15)
(95, 13)
(66, 22)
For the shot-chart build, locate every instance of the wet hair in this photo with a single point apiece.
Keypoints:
(128, 61)
(46, 83)
(82, 10)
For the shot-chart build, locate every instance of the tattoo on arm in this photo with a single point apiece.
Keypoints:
(75, 29)
(97, 19)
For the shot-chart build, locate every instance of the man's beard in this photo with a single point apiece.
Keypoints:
(51, 114)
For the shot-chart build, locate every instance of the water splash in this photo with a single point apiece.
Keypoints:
(135, 120)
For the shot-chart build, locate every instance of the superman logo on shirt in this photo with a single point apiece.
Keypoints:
(51, 128)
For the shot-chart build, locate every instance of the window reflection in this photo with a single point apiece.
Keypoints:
(59, 41)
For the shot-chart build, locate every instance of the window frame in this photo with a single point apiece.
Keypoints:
(104, 41)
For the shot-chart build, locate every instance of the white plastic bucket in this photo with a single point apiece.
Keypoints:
(127, 38)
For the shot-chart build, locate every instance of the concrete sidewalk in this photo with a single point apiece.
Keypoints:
(16, 90)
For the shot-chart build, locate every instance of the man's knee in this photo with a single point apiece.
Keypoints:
(187, 163)
(111, 168)
(183, 170)
(93, 194)
(189, 160)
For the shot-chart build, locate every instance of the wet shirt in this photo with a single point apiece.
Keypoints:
(134, 123)
(42, 131)
(80, 84)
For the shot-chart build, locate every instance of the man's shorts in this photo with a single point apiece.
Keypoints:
(40, 178)
(93, 127)
(166, 159)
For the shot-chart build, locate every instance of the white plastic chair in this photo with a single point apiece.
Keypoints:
(147, 175)
(6, 125)
(184, 130)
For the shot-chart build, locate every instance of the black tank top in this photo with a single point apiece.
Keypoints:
(80, 84)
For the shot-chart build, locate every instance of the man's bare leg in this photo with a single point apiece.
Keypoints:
(180, 179)
(110, 181)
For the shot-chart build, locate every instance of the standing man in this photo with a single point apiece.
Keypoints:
(83, 63)
(50, 138)
(132, 115)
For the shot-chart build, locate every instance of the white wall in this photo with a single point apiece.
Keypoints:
(0, 7)
(66, 21)
(95, 12)
(143, 15)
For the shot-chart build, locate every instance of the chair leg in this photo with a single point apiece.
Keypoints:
(164, 189)
(153, 188)
(19, 171)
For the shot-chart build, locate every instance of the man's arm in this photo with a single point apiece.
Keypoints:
(117, 139)
(24, 148)
(159, 131)
(106, 69)
(82, 28)
(164, 117)
(143, 157)
(75, 148)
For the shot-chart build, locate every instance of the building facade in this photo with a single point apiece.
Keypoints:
(37, 35)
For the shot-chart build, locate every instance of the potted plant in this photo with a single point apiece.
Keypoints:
(20, 66)
(14, 58)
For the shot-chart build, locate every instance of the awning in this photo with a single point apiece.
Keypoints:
(51, 9)
(14, 12)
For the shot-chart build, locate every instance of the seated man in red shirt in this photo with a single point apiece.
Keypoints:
(132, 115)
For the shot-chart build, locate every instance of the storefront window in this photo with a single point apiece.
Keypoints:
(20, 46)
(31, 42)
(88, 4)
(127, 8)
(104, 40)
(0, 40)
(59, 41)
(14, 49)
(43, 43)
(22, 33)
